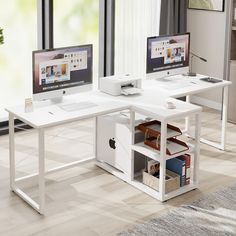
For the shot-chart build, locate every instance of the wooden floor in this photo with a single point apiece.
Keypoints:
(87, 200)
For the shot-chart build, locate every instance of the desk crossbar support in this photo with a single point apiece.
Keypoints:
(56, 169)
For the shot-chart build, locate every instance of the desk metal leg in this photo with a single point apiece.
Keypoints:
(13, 181)
(41, 152)
(162, 188)
(95, 138)
(197, 148)
(222, 144)
(187, 120)
(132, 131)
(224, 117)
(12, 150)
(38, 206)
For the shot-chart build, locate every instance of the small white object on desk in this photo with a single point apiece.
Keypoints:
(170, 105)
(29, 105)
(131, 91)
(120, 84)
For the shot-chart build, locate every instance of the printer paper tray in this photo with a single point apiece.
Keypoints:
(131, 91)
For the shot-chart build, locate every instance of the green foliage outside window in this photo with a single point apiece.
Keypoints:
(1, 36)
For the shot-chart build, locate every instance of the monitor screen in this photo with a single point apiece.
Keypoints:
(58, 70)
(168, 55)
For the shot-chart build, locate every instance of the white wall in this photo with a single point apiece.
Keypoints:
(208, 39)
(135, 21)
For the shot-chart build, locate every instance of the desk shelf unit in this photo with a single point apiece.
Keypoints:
(135, 178)
(161, 156)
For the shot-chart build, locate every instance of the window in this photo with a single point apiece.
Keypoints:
(134, 22)
(77, 22)
(19, 23)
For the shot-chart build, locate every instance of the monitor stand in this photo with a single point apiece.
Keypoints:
(192, 74)
(58, 100)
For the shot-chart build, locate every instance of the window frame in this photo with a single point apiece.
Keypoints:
(106, 38)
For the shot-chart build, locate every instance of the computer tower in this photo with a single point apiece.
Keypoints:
(114, 143)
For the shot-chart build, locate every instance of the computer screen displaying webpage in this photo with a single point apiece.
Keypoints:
(167, 52)
(62, 68)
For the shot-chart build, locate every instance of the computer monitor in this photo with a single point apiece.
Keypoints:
(167, 55)
(62, 71)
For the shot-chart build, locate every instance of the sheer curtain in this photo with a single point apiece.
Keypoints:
(173, 17)
(135, 20)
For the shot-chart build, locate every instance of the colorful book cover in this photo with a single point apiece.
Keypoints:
(178, 166)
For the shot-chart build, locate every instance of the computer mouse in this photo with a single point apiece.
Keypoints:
(170, 105)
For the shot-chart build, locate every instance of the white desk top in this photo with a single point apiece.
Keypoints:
(51, 115)
(179, 85)
(152, 102)
(146, 103)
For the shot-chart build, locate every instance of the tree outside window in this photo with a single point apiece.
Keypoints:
(1, 36)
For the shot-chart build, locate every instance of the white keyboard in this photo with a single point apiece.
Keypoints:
(175, 86)
(77, 106)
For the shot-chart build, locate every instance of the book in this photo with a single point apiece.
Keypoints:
(178, 166)
(153, 167)
(187, 159)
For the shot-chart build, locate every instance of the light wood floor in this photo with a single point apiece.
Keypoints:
(87, 200)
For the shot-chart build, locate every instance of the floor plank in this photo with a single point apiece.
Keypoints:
(86, 200)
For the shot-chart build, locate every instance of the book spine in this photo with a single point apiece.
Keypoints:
(182, 182)
(178, 166)
(188, 170)
(187, 159)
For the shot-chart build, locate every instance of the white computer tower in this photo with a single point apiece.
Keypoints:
(114, 143)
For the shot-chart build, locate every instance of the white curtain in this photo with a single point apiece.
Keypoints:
(135, 21)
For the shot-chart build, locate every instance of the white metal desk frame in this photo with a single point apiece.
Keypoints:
(223, 138)
(40, 206)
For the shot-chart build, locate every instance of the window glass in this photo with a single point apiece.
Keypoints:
(75, 23)
(18, 18)
(134, 22)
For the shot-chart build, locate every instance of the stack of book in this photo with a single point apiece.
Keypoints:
(152, 174)
(181, 166)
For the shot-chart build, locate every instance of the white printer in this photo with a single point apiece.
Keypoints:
(117, 85)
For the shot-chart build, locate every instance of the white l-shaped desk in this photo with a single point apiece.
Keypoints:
(152, 103)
